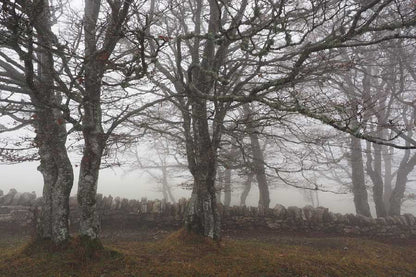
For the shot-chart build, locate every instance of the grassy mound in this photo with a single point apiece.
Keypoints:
(185, 239)
(44, 258)
(186, 254)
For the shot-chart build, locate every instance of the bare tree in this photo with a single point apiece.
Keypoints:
(76, 66)
(162, 162)
(257, 159)
(270, 54)
(26, 26)
(375, 88)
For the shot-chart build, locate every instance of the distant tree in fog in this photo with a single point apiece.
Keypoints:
(221, 53)
(208, 58)
(376, 89)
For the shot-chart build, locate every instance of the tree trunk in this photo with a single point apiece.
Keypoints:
(397, 194)
(388, 177)
(167, 193)
(60, 197)
(94, 143)
(202, 142)
(246, 189)
(49, 172)
(57, 174)
(219, 185)
(51, 138)
(96, 57)
(405, 167)
(87, 184)
(227, 187)
(202, 216)
(376, 177)
(164, 183)
(358, 181)
(258, 161)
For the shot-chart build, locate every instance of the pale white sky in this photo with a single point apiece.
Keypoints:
(135, 185)
(24, 177)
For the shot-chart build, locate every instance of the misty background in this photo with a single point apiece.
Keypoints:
(118, 181)
(314, 101)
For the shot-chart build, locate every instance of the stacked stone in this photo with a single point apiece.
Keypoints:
(14, 198)
(16, 209)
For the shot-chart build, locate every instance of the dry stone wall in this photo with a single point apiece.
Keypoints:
(18, 212)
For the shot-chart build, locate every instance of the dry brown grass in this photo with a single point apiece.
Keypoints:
(184, 254)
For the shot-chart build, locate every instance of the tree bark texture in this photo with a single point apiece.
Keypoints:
(227, 187)
(246, 189)
(374, 170)
(58, 177)
(51, 137)
(87, 183)
(202, 125)
(406, 166)
(218, 185)
(358, 180)
(95, 138)
(388, 176)
(167, 192)
(258, 160)
(202, 215)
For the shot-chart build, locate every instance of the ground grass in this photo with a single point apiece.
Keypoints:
(182, 254)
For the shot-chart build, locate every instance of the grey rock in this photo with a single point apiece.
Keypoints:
(163, 206)
(352, 219)
(295, 213)
(272, 224)
(133, 205)
(6, 218)
(325, 213)
(108, 202)
(364, 220)
(156, 208)
(27, 199)
(332, 217)
(308, 212)
(402, 220)
(21, 215)
(410, 219)
(116, 203)
(12, 192)
(16, 199)
(279, 211)
(352, 230)
(340, 218)
(124, 204)
(319, 214)
(4, 210)
(390, 220)
(8, 198)
(381, 221)
(143, 206)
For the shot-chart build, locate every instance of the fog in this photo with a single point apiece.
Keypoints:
(314, 101)
(137, 184)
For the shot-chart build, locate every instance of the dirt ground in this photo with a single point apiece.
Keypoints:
(250, 252)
